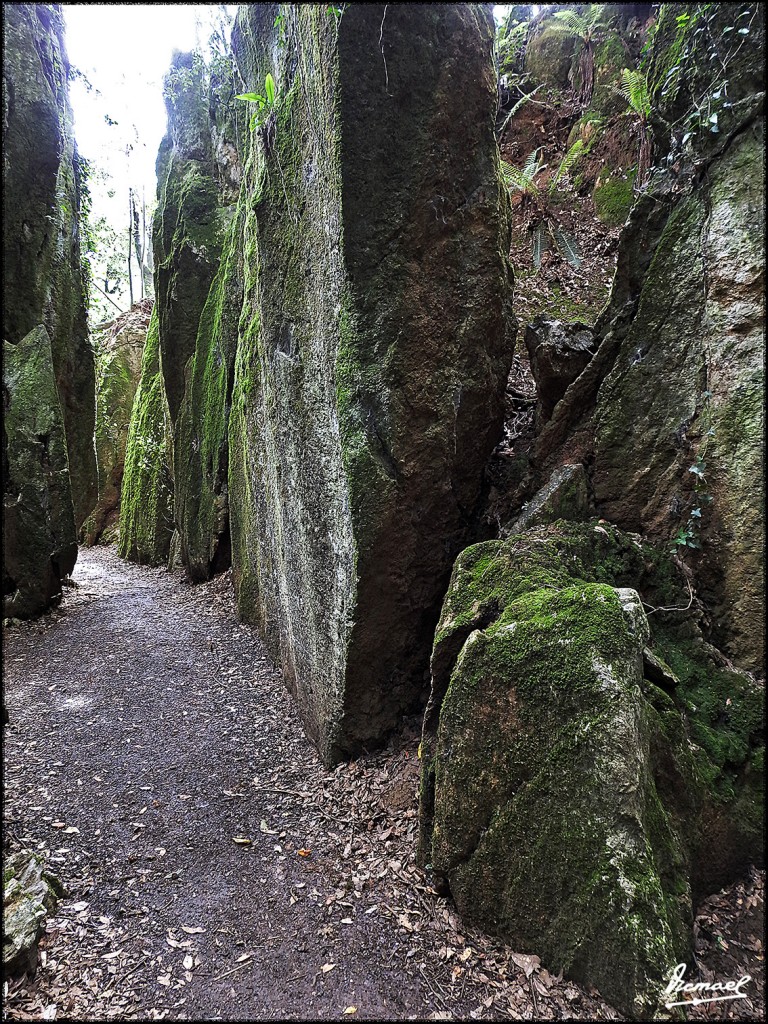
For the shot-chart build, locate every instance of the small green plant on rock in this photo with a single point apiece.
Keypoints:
(537, 202)
(265, 102)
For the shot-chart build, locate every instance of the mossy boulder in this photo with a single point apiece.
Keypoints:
(44, 280)
(119, 348)
(39, 536)
(373, 348)
(572, 780)
(146, 501)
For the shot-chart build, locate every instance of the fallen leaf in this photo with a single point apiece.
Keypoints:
(241, 840)
(245, 956)
(189, 963)
(71, 830)
(192, 930)
(327, 967)
(304, 853)
(265, 828)
(351, 1009)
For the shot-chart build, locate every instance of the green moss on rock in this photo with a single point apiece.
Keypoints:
(363, 408)
(146, 505)
(613, 197)
(119, 346)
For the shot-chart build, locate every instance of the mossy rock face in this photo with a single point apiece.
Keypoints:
(146, 501)
(119, 348)
(562, 798)
(549, 55)
(40, 541)
(43, 279)
(687, 382)
(199, 289)
(189, 226)
(611, 56)
(373, 351)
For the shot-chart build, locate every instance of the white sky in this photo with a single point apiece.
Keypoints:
(124, 50)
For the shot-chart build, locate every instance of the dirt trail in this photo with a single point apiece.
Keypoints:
(149, 730)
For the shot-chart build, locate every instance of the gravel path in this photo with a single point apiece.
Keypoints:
(214, 869)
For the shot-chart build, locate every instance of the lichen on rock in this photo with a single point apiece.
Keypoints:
(44, 279)
(29, 894)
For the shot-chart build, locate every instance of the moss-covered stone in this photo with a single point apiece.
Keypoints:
(189, 224)
(549, 55)
(119, 346)
(613, 196)
(576, 761)
(43, 279)
(39, 537)
(372, 351)
(29, 894)
(146, 501)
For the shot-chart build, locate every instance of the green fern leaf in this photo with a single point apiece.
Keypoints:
(567, 245)
(539, 243)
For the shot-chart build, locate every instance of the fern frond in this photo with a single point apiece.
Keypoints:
(539, 243)
(634, 89)
(567, 162)
(520, 103)
(566, 244)
(532, 166)
(570, 22)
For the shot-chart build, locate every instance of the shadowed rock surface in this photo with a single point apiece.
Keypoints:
(119, 346)
(39, 536)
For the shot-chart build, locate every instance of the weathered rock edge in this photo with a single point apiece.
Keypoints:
(584, 781)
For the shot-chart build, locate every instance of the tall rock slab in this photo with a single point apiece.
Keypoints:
(200, 472)
(373, 351)
(39, 537)
(43, 276)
